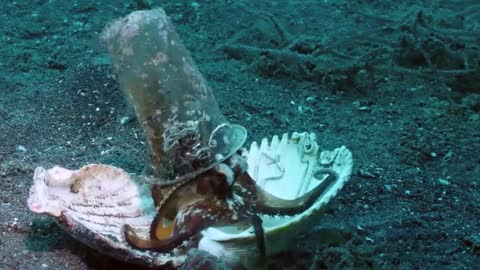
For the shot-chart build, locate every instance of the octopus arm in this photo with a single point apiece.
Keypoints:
(271, 205)
(189, 221)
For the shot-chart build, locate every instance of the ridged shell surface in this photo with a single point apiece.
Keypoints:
(93, 203)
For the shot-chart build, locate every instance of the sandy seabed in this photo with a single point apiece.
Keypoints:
(398, 84)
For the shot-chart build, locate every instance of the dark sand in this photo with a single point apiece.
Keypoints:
(398, 84)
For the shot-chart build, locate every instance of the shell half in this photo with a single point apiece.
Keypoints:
(93, 203)
(286, 168)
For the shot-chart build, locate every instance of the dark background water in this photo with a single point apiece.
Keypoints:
(397, 82)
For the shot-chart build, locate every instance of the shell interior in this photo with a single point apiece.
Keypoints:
(285, 168)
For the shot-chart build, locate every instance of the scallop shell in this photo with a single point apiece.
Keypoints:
(94, 202)
(286, 168)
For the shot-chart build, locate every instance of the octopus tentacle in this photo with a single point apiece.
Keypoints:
(193, 205)
(167, 206)
(166, 198)
(211, 185)
(259, 234)
(152, 244)
(189, 221)
(269, 204)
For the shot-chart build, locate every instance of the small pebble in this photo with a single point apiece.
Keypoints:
(124, 120)
(21, 148)
(367, 174)
(444, 182)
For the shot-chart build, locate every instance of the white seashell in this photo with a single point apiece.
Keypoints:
(93, 203)
(286, 169)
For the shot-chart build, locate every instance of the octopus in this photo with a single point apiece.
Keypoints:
(223, 195)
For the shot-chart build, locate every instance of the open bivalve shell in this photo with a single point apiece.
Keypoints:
(96, 201)
(286, 168)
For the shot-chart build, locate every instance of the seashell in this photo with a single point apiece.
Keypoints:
(286, 168)
(94, 202)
